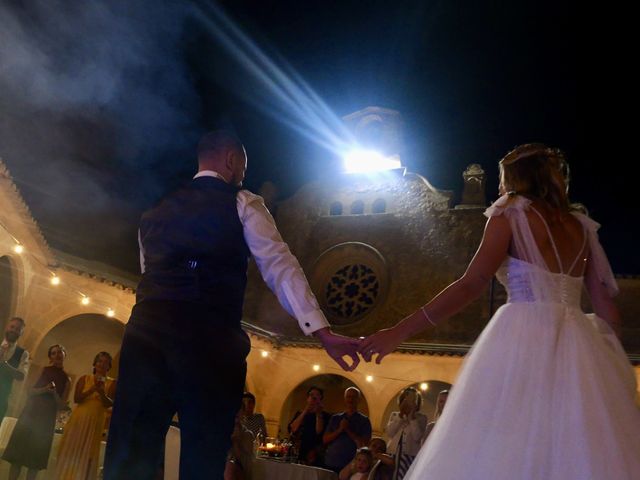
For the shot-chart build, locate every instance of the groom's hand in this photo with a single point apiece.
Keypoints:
(338, 347)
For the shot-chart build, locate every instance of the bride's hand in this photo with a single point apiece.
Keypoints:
(382, 343)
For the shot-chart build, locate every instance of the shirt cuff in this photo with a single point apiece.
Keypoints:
(312, 321)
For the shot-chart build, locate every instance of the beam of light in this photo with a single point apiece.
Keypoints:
(296, 103)
(361, 161)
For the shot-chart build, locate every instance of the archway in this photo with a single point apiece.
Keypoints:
(333, 387)
(83, 336)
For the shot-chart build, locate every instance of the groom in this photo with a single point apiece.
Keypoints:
(184, 350)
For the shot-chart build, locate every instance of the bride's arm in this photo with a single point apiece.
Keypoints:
(490, 255)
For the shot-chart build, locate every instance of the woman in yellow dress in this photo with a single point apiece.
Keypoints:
(79, 454)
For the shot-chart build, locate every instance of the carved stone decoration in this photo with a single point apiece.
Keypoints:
(474, 185)
(350, 280)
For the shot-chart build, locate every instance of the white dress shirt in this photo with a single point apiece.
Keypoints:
(279, 268)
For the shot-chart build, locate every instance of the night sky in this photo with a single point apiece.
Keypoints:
(103, 102)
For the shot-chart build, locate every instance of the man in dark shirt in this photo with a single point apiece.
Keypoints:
(347, 431)
(308, 426)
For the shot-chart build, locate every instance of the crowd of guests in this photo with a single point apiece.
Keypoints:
(341, 442)
(29, 446)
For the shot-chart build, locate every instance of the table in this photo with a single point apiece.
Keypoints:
(261, 468)
(266, 469)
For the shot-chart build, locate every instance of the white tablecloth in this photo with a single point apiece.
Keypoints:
(261, 469)
(265, 469)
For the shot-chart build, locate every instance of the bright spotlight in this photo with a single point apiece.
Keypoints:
(18, 248)
(110, 312)
(85, 300)
(55, 280)
(369, 378)
(424, 386)
(316, 368)
(361, 161)
(264, 354)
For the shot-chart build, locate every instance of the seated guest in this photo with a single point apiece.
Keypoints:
(383, 466)
(364, 462)
(308, 426)
(405, 430)
(254, 422)
(347, 431)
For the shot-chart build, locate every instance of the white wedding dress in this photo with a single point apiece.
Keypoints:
(546, 392)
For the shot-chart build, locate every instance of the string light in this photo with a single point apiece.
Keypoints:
(55, 279)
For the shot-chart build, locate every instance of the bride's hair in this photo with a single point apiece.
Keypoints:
(535, 170)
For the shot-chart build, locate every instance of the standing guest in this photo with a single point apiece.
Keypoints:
(308, 426)
(14, 361)
(405, 430)
(346, 432)
(79, 454)
(30, 442)
(441, 401)
(254, 422)
(184, 349)
(547, 391)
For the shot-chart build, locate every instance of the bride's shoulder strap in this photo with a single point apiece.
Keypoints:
(597, 255)
(507, 204)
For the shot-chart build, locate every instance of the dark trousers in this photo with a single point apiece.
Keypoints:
(176, 357)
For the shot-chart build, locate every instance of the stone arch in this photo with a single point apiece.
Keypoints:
(83, 336)
(379, 206)
(335, 209)
(333, 385)
(429, 397)
(357, 207)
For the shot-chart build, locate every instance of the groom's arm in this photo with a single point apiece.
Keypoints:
(283, 274)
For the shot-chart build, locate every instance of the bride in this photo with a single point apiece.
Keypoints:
(546, 392)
